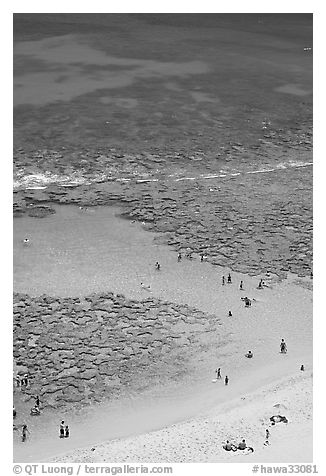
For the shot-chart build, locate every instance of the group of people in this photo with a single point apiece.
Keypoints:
(219, 376)
(21, 381)
(35, 410)
(228, 446)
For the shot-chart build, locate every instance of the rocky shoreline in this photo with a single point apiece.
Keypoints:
(80, 351)
(247, 225)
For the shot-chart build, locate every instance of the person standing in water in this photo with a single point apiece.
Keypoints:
(226, 380)
(18, 381)
(62, 429)
(283, 346)
(24, 433)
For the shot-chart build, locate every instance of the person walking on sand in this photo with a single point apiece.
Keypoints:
(218, 373)
(241, 285)
(14, 412)
(157, 266)
(226, 380)
(230, 314)
(302, 368)
(24, 433)
(62, 429)
(229, 279)
(179, 257)
(37, 401)
(267, 434)
(260, 285)
(223, 280)
(67, 431)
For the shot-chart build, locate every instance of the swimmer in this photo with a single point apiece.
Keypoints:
(148, 288)
(25, 241)
(247, 302)
(35, 411)
(249, 355)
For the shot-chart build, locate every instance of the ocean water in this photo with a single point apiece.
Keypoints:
(158, 81)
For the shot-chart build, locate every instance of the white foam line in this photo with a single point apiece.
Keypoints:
(302, 165)
(210, 176)
(146, 180)
(36, 188)
(260, 171)
(43, 180)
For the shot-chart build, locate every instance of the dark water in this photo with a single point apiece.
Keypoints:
(159, 81)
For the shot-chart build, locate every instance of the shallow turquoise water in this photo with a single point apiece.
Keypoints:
(76, 252)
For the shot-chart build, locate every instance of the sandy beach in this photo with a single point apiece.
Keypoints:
(200, 440)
